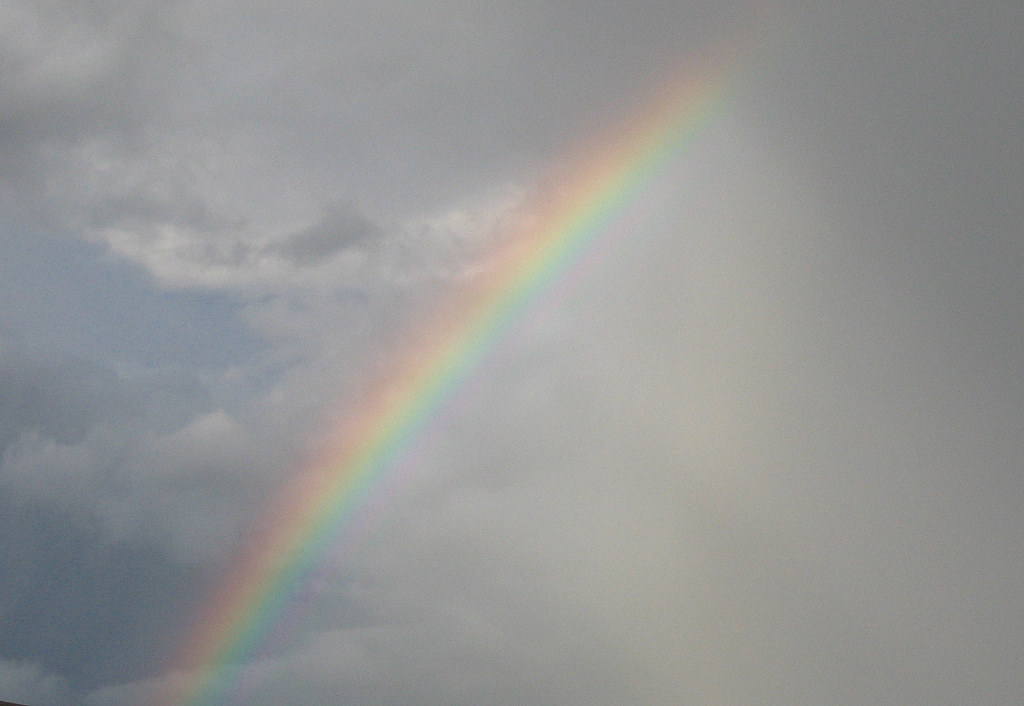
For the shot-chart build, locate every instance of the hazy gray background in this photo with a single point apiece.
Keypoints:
(769, 452)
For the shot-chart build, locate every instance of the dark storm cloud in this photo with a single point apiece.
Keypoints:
(57, 399)
(340, 228)
(94, 473)
(124, 449)
(76, 604)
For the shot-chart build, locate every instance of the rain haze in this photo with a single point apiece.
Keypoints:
(762, 443)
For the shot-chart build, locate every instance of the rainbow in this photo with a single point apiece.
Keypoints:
(317, 510)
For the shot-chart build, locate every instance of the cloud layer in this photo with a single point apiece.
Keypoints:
(766, 450)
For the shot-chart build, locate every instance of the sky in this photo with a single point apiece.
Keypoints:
(766, 446)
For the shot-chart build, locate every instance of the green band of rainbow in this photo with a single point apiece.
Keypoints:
(315, 511)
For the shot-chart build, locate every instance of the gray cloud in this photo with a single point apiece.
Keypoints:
(766, 450)
(59, 400)
(81, 610)
(28, 683)
(338, 229)
(143, 454)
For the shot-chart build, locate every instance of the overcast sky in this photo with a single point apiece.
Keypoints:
(769, 449)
